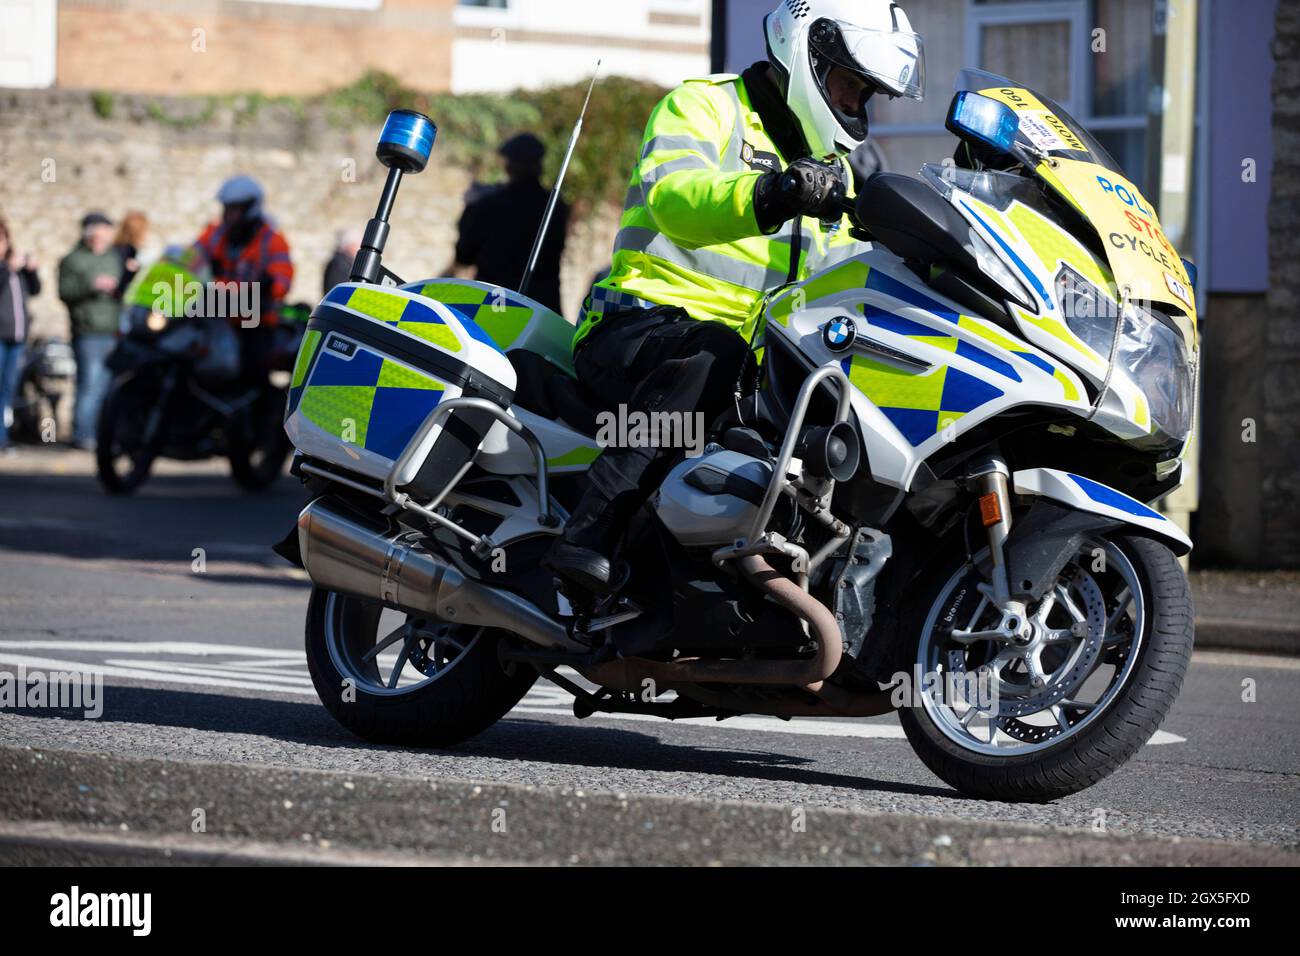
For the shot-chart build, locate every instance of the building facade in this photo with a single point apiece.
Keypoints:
(307, 46)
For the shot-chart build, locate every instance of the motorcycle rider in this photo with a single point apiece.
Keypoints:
(739, 190)
(244, 247)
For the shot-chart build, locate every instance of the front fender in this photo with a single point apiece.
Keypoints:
(1085, 494)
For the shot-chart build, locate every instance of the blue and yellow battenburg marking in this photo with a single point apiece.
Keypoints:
(496, 314)
(921, 404)
(364, 398)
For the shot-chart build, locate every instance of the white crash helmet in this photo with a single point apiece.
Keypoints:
(806, 39)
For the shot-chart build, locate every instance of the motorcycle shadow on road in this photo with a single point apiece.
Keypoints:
(513, 738)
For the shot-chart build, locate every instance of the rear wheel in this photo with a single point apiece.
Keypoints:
(396, 679)
(123, 454)
(1046, 716)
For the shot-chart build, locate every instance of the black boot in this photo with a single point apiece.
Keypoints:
(585, 553)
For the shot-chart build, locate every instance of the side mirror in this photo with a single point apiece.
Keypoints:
(406, 141)
(984, 119)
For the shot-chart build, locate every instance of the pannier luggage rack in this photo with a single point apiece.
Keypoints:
(483, 545)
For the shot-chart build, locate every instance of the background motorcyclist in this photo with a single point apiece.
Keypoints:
(739, 189)
(244, 247)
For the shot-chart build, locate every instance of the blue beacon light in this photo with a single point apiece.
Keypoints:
(406, 141)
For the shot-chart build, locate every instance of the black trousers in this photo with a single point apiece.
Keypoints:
(656, 360)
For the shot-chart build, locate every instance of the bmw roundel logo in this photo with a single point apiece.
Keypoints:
(838, 334)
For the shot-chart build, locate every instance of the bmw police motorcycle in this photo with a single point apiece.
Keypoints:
(937, 502)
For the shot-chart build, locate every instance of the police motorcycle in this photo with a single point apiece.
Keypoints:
(939, 501)
(178, 391)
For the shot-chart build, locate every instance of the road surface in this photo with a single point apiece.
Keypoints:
(208, 714)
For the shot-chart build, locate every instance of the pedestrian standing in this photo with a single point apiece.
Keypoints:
(131, 237)
(89, 277)
(18, 283)
(499, 226)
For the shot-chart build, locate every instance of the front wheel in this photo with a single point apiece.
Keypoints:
(125, 439)
(1071, 700)
(395, 679)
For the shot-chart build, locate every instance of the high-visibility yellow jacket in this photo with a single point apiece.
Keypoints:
(689, 236)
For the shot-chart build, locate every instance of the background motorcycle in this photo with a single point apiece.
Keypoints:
(178, 390)
(48, 374)
(937, 502)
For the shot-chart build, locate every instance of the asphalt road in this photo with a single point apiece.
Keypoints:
(207, 707)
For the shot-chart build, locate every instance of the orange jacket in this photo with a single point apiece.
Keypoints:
(263, 259)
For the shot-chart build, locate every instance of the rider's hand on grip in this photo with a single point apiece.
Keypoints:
(805, 188)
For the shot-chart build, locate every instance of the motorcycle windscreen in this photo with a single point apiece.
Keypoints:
(166, 287)
(1141, 257)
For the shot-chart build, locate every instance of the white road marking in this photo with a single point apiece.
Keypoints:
(193, 648)
(285, 671)
(801, 725)
(135, 673)
(171, 667)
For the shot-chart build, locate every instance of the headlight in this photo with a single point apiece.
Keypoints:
(1089, 313)
(1154, 355)
(1150, 351)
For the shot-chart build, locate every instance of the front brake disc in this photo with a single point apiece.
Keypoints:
(1060, 684)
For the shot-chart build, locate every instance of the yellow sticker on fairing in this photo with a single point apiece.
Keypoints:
(1141, 258)
(1039, 124)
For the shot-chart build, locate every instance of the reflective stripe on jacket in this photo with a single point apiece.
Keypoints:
(689, 236)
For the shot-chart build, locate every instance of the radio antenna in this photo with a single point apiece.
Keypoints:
(555, 192)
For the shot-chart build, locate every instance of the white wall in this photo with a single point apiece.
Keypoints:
(28, 37)
(536, 43)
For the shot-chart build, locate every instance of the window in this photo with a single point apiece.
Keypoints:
(1103, 79)
(1041, 45)
(1091, 57)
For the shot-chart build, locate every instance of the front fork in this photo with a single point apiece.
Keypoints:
(992, 481)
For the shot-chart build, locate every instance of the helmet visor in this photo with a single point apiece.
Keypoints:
(893, 60)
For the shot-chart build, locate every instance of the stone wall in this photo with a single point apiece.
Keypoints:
(166, 157)
(1279, 451)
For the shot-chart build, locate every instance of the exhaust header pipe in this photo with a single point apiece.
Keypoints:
(373, 558)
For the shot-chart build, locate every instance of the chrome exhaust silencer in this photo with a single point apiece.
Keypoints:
(373, 558)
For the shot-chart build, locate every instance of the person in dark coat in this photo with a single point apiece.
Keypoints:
(498, 228)
(18, 283)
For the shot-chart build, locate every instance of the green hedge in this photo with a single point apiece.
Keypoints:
(471, 127)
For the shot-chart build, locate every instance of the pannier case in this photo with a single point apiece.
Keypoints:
(374, 362)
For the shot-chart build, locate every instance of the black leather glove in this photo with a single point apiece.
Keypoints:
(805, 188)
